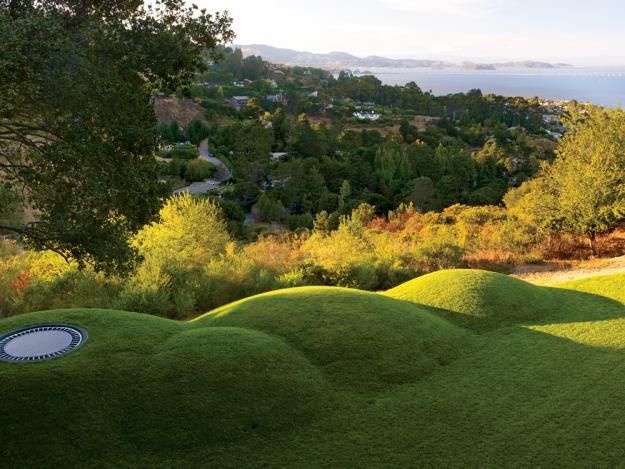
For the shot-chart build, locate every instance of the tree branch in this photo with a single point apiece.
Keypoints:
(42, 241)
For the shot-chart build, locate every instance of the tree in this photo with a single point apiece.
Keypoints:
(392, 169)
(253, 109)
(190, 233)
(344, 194)
(253, 68)
(422, 194)
(198, 170)
(171, 132)
(10, 209)
(489, 162)
(583, 191)
(197, 131)
(408, 132)
(270, 209)
(252, 147)
(306, 141)
(77, 126)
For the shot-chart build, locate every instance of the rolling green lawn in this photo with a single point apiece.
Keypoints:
(458, 368)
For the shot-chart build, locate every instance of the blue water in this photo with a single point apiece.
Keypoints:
(603, 86)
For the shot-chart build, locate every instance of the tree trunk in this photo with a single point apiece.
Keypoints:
(592, 238)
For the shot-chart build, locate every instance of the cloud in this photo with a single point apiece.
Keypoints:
(453, 8)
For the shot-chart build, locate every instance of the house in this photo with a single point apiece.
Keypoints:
(275, 98)
(551, 119)
(372, 116)
(277, 155)
(238, 102)
(364, 105)
(314, 94)
(341, 99)
(242, 83)
(275, 181)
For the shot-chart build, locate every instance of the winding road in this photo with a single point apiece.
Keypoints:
(207, 185)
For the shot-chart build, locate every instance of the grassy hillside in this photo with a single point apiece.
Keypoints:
(476, 297)
(356, 338)
(329, 377)
(487, 300)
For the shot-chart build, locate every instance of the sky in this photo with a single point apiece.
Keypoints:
(580, 32)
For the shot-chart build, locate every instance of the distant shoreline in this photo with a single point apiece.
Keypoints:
(604, 86)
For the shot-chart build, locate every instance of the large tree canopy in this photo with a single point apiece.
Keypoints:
(77, 126)
(583, 190)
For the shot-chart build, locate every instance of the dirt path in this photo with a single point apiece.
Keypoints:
(584, 269)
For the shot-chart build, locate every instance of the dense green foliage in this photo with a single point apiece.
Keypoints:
(583, 191)
(433, 151)
(333, 377)
(77, 127)
(190, 262)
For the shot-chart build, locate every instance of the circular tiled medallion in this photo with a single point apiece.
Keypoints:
(41, 342)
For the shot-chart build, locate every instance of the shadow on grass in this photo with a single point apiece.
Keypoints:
(557, 306)
(526, 398)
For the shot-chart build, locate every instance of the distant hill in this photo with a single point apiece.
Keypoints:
(336, 60)
(332, 59)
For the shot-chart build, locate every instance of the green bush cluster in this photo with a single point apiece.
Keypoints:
(191, 171)
(184, 152)
(191, 264)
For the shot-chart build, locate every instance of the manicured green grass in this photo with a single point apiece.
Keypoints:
(487, 300)
(477, 297)
(610, 286)
(465, 369)
(356, 338)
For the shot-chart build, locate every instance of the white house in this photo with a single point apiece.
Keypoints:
(372, 116)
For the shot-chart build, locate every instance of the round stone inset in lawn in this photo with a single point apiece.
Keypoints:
(42, 342)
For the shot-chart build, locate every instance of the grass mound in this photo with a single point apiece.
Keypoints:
(609, 286)
(227, 384)
(478, 298)
(357, 338)
(145, 382)
(302, 378)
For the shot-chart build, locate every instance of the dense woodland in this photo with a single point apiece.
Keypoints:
(473, 150)
(465, 180)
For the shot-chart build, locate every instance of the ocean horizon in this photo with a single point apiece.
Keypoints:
(604, 86)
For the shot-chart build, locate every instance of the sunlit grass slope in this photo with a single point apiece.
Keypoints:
(477, 297)
(354, 337)
(487, 300)
(330, 377)
(610, 286)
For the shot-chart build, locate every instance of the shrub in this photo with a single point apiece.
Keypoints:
(438, 248)
(183, 152)
(197, 170)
